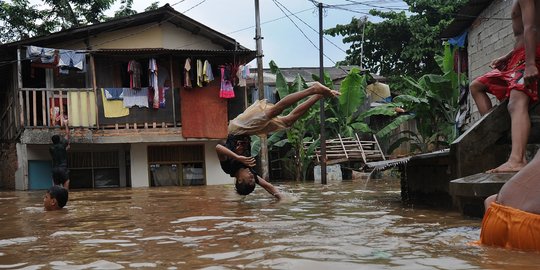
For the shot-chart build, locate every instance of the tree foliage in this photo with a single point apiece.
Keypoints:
(403, 42)
(20, 20)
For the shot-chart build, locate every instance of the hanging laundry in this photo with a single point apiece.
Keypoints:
(153, 81)
(245, 72)
(134, 70)
(39, 54)
(162, 94)
(187, 74)
(114, 93)
(199, 73)
(113, 108)
(208, 75)
(41, 58)
(226, 90)
(241, 80)
(71, 59)
(136, 97)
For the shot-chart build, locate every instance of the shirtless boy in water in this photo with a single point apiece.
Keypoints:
(514, 76)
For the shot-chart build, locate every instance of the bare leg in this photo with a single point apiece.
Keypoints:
(479, 94)
(66, 184)
(300, 110)
(291, 99)
(520, 128)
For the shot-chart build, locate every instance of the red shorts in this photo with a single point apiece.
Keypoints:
(501, 82)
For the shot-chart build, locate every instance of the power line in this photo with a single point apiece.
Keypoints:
(301, 31)
(314, 30)
(198, 4)
(276, 19)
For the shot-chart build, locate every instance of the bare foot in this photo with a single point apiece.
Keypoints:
(507, 167)
(325, 91)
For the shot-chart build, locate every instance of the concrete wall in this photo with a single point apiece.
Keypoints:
(214, 173)
(139, 165)
(21, 174)
(488, 40)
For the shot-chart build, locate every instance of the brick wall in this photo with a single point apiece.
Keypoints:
(9, 166)
(490, 37)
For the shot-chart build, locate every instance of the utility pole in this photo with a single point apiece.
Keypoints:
(260, 87)
(364, 21)
(321, 101)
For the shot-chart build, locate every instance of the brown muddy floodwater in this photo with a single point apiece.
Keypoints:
(349, 225)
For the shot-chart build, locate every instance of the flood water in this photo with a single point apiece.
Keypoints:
(351, 225)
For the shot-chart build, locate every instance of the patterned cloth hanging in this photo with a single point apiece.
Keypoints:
(153, 81)
(226, 90)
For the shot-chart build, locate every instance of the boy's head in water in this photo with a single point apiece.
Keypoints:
(55, 198)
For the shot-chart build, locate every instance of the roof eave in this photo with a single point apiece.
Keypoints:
(465, 17)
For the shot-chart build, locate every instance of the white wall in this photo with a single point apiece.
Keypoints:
(214, 174)
(139, 165)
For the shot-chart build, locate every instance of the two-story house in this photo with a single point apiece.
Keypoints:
(138, 93)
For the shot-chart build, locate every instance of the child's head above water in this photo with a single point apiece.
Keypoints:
(55, 198)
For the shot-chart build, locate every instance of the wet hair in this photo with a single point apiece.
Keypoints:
(233, 139)
(55, 139)
(60, 194)
(245, 188)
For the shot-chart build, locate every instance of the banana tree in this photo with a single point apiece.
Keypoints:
(433, 102)
(344, 118)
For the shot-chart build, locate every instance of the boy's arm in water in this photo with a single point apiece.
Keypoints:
(269, 188)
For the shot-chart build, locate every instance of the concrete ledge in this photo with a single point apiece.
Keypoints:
(479, 185)
(468, 193)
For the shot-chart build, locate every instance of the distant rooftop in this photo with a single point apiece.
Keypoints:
(336, 73)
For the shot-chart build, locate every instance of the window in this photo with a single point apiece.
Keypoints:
(94, 169)
(176, 165)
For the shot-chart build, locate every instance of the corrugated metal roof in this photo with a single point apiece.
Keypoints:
(465, 17)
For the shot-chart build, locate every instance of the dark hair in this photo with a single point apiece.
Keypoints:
(60, 194)
(243, 188)
(55, 139)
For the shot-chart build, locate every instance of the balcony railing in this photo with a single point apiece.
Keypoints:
(44, 107)
(83, 107)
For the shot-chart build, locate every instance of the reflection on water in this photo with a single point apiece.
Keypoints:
(350, 225)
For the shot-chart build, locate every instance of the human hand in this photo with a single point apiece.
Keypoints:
(531, 75)
(499, 63)
(248, 161)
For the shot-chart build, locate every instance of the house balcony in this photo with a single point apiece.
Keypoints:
(91, 118)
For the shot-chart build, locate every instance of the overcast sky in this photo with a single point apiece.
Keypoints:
(283, 42)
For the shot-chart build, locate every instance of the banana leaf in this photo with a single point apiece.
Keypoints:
(394, 124)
